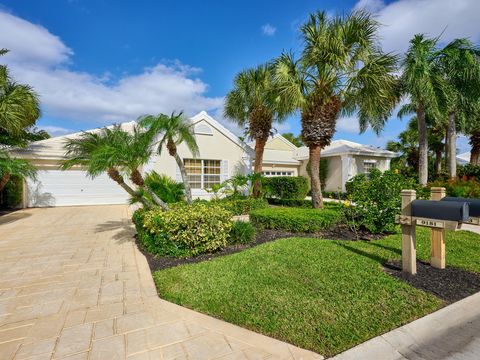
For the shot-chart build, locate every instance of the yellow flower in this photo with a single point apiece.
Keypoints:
(346, 203)
(396, 171)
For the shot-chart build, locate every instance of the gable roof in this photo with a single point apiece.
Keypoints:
(53, 148)
(463, 158)
(345, 147)
(274, 137)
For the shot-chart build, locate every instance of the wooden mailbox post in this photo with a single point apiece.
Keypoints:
(437, 236)
(409, 233)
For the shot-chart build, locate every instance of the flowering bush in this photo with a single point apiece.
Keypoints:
(185, 230)
(469, 188)
(376, 199)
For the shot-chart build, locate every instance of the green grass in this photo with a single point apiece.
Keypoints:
(326, 296)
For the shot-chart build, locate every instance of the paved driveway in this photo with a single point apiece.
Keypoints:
(74, 286)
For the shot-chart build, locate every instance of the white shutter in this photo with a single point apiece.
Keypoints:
(178, 174)
(224, 170)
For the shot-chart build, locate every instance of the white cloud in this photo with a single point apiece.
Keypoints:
(41, 59)
(404, 18)
(268, 30)
(348, 124)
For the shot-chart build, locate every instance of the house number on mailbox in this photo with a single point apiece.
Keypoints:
(431, 223)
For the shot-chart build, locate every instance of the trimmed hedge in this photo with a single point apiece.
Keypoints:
(184, 230)
(241, 206)
(287, 187)
(12, 193)
(295, 219)
(299, 203)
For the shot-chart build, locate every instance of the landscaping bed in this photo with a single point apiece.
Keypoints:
(326, 296)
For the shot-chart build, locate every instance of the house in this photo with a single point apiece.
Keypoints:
(463, 158)
(222, 155)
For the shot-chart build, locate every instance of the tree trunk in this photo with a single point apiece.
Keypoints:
(137, 179)
(317, 198)
(475, 152)
(438, 161)
(422, 146)
(447, 146)
(115, 176)
(257, 167)
(452, 146)
(186, 183)
(4, 180)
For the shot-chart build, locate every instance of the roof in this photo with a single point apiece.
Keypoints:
(345, 147)
(273, 137)
(53, 148)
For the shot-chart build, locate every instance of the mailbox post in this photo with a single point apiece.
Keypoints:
(437, 236)
(409, 251)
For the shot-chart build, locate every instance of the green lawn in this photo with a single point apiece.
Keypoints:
(326, 296)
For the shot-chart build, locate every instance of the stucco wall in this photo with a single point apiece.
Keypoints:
(277, 144)
(212, 147)
(334, 174)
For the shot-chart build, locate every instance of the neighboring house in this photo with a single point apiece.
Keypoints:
(463, 158)
(222, 155)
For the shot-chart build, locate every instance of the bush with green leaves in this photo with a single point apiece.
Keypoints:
(242, 233)
(241, 206)
(459, 187)
(12, 193)
(376, 199)
(184, 230)
(165, 187)
(469, 171)
(295, 219)
(299, 203)
(287, 187)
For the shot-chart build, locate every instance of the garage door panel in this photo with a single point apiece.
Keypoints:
(73, 187)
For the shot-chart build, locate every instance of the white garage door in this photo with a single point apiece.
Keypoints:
(73, 187)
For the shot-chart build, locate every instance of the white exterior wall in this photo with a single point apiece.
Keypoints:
(211, 147)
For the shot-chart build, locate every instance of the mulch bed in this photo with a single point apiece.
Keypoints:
(263, 236)
(450, 284)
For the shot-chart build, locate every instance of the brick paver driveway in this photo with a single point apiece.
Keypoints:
(73, 285)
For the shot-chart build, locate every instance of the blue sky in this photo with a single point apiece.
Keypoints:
(95, 62)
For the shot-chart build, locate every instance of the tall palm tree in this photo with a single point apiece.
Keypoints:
(421, 81)
(19, 104)
(254, 102)
(116, 152)
(458, 63)
(342, 70)
(172, 131)
(14, 167)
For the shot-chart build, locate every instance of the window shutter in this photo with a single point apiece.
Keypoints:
(178, 174)
(224, 170)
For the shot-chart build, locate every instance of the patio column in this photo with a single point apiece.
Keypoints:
(347, 173)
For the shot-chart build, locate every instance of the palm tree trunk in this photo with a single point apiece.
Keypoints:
(186, 183)
(257, 167)
(115, 176)
(452, 146)
(317, 198)
(422, 146)
(475, 152)
(4, 180)
(447, 146)
(438, 161)
(138, 180)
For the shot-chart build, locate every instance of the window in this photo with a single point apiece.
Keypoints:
(202, 174)
(277, 173)
(368, 165)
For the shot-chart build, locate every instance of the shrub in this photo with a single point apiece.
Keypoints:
(469, 171)
(460, 187)
(165, 187)
(241, 206)
(242, 233)
(377, 199)
(295, 219)
(185, 230)
(12, 193)
(287, 187)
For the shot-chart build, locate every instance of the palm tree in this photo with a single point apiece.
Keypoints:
(341, 71)
(172, 131)
(458, 63)
(254, 102)
(14, 167)
(116, 152)
(421, 81)
(19, 104)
